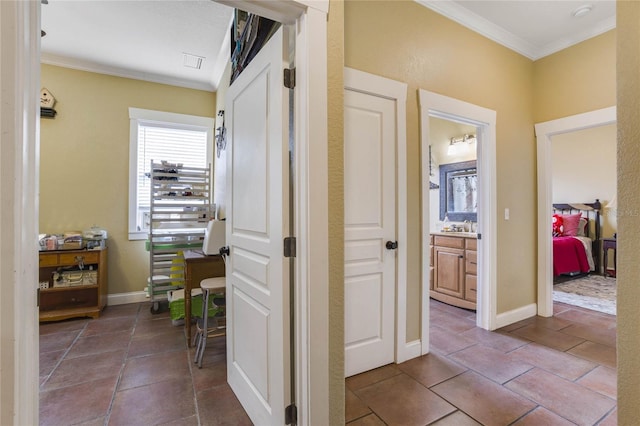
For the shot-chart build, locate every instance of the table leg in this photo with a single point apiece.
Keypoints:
(187, 313)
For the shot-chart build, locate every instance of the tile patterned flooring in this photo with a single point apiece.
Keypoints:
(133, 368)
(540, 371)
(130, 367)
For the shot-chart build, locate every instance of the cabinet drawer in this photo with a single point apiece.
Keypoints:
(68, 298)
(48, 259)
(444, 241)
(472, 244)
(73, 258)
(471, 265)
(470, 288)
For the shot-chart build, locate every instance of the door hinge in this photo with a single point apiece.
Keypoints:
(290, 247)
(291, 415)
(290, 78)
(479, 236)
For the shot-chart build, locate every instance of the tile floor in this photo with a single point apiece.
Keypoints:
(540, 371)
(133, 368)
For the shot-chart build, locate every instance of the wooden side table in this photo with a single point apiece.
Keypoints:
(609, 244)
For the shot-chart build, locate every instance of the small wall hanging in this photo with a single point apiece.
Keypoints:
(47, 101)
(221, 135)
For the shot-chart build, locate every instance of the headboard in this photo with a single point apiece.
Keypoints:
(591, 212)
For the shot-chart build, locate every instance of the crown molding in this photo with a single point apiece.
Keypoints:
(494, 32)
(66, 62)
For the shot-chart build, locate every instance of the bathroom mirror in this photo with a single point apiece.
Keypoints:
(459, 191)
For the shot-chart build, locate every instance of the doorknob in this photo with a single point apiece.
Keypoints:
(391, 245)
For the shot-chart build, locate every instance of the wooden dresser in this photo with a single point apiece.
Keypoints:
(68, 292)
(453, 269)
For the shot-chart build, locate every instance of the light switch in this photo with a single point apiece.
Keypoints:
(506, 214)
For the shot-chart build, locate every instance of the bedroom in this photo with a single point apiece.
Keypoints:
(584, 170)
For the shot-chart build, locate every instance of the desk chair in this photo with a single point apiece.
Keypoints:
(209, 286)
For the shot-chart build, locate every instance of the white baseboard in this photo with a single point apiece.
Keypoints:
(516, 315)
(124, 298)
(411, 350)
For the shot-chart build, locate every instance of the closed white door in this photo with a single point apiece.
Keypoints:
(370, 222)
(257, 221)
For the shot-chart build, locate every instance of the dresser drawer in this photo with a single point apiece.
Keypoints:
(48, 259)
(472, 244)
(445, 241)
(74, 258)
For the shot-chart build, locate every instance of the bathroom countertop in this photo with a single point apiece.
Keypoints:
(457, 234)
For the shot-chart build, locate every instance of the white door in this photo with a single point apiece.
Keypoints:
(257, 221)
(370, 222)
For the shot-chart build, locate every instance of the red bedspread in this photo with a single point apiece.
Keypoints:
(569, 256)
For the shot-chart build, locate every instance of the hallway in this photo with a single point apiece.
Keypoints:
(132, 368)
(540, 371)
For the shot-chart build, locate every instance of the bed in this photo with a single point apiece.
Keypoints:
(576, 238)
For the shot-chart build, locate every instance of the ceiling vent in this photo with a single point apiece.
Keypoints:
(192, 61)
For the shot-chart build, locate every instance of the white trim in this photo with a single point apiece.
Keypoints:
(433, 104)
(125, 298)
(516, 315)
(488, 29)
(413, 349)
(19, 186)
(359, 81)
(311, 213)
(88, 66)
(544, 132)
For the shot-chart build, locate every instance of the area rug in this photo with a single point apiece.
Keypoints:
(593, 292)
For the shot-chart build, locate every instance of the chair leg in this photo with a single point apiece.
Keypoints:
(202, 340)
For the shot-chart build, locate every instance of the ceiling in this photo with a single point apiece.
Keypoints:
(148, 40)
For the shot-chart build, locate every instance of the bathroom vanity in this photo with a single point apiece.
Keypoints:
(453, 268)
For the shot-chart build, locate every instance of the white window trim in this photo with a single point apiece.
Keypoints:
(136, 116)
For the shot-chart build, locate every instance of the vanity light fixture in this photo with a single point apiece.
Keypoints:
(582, 10)
(459, 145)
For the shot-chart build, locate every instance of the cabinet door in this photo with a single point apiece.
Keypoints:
(449, 266)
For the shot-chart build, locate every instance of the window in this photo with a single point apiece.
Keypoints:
(157, 136)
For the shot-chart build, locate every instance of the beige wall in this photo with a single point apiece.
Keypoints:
(407, 42)
(628, 97)
(335, 157)
(579, 79)
(584, 169)
(84, 159)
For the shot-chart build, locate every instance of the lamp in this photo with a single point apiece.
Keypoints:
(613, 205)
(457, 145)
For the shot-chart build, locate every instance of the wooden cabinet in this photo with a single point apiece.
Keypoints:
(453, 270)
(68, 291)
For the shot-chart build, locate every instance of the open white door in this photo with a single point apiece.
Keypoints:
(257, 297)
(369, 230)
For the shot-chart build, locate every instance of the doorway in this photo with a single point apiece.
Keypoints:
(484, 120)
(544, 133)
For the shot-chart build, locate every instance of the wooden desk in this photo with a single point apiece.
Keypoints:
(609, 244)
(198, 267)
